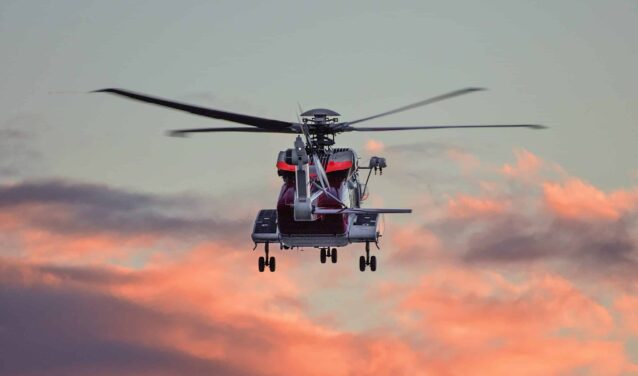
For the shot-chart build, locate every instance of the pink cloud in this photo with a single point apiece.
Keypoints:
(466, 160)
(411, 243)
(374, 146)
(465, 206)
(202, 304)
(627, 307)
(527, 164)
(576, 199)
(541, 325)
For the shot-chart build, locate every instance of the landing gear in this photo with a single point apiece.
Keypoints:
(266, 261)
(368, 260)
(327, 252)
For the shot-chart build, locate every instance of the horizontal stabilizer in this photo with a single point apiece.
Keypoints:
(361, 210)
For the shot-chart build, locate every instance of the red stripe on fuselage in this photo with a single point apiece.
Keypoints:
(285, 166)
(337, 166)
(332, 166)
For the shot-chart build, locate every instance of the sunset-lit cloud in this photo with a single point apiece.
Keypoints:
(464, 206)
(70, 220)
(374, 146)
(465, 160)
(527, 164)
(481, 320)
(576, 199)
(505, 278)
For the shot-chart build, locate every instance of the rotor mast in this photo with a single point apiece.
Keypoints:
(320, 123)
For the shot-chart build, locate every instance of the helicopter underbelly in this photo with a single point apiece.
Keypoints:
(360, 228)
(329, 224)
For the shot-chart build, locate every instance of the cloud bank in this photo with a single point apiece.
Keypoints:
(528, 272)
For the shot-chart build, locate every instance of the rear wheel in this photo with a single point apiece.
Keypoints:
(271, 264)
(333, 255)
(262, 263)
(362, 264)
(323, 255)
(373, 263)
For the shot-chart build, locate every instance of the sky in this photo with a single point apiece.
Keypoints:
(123, 251)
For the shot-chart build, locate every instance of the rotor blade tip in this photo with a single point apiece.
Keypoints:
(175, 134)
(107, 90)
(538, 126)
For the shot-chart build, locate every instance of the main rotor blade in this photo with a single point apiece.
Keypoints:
(383, 129)
(420, 103)
(185, 132)
(203, 111)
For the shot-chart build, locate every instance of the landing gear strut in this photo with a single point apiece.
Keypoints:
(266, 261)
(367, 260)
(327, 252)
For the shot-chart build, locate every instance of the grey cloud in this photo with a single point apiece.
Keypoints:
(527, 234)
(66, 330)
(585, 246)
(17, 154)
(95, 208)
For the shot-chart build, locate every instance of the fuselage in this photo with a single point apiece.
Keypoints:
(340, 167)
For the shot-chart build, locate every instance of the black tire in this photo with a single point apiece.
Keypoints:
(271, 264)
(373, 263)
(262, 264)
(333, 255)
(323, 255)
(362, 263)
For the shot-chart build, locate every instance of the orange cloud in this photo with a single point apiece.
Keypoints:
(466, 160)
(37, 240)
(411, 243)
(542, 325)
(627, 306)
(576, 199)
(464, 206)
(374, 146)
(527, 164)
(201, 308)
(203, 304)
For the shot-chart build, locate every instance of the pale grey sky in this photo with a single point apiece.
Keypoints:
(566, 64)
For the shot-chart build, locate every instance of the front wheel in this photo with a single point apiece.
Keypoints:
(271, 264)
(362, 264)
(373, 263)
(262, 264)
(333, 255)
(323, 255)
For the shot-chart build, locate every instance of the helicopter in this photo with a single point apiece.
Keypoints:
(320, 201)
